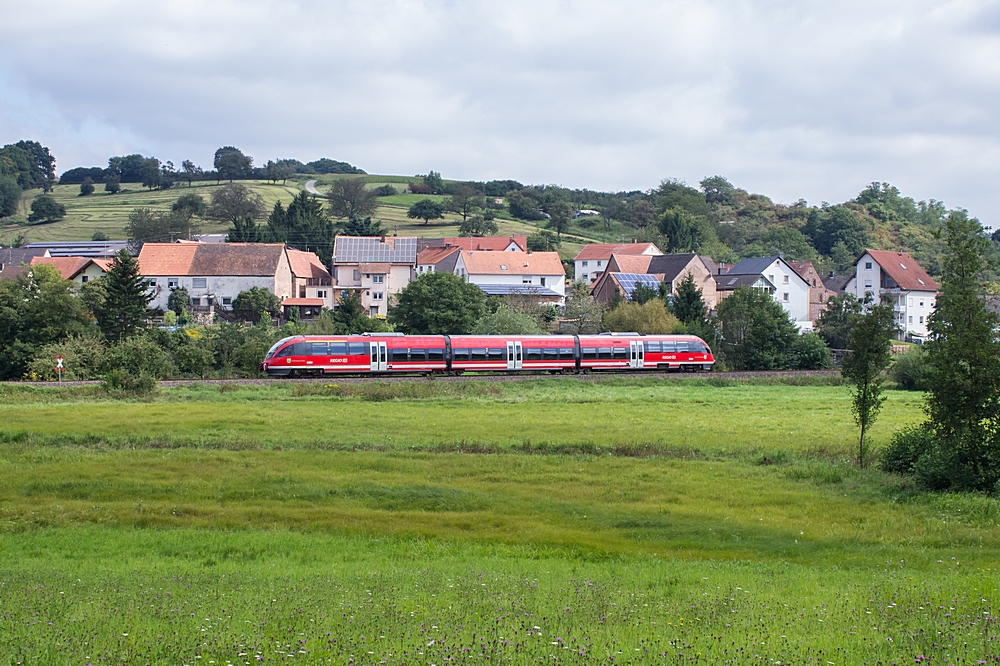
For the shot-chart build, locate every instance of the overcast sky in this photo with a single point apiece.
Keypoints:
(789, 98)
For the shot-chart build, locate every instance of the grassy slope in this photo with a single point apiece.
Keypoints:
(171, 554)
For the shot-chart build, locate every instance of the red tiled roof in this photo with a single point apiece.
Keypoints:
(605, 250)
(433, 255)
(215, 259)
(306, 264)
(377, 268)
(906, 272)
(306, 302)
(487, 243)
(512, 263)
(632, 263)
(68, 267)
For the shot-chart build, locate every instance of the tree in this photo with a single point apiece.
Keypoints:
(437, 304)
(148, 226)
(256, 303)
(643, 293)
(684, 232)
(190, 204)
(433, 182)
(358, 227)
(303, 225)
(126, 296)
(650, 317)
(582, 315)
(348, 318)
(870, 343)
(10, 196)
(112, 183)
(835, 322)
(44, 208)
(246, 231)
(507, 321)
(41, 164)
(190, 172)
(464, 200)
(757, 333)
(688, 305)
(349, 198)
(640, 214)
(559, 217)
(963, 402)
(151, 176)
(425, 210)
(523, 206)
(99, 236)
(87, 187)
(477, 225)
(231, 163)
(233, 202)
(718, 190)
(178, 300)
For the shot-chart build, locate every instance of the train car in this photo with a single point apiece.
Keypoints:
(375, 353)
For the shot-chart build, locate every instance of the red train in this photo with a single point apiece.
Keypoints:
(374, 353)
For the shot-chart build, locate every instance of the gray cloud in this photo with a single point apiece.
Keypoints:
(786, 98)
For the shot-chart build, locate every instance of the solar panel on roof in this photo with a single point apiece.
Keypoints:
(629, 281)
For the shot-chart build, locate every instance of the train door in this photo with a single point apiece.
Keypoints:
(513, 355)
(637, 354)
(378, 357)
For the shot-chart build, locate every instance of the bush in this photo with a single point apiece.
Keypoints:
(122, 383)
(82, 360)
(193, 359)
(911, 371)
(506, 321)
(811, 353)
(650, 317)
(136, 356)
(905, 449)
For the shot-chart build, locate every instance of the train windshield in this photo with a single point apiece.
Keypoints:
(270, 352)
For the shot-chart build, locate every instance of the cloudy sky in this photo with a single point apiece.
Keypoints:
(790, 98)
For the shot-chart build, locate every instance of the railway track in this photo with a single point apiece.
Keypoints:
(491, 377)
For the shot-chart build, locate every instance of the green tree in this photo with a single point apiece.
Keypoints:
(425, 210)
(688, 305)
(363, 227)
(232, 164)
(348, 318)
(190, 171)
(304, 225)
(437, 304)
(46, 209)
(234, 202)
(434, 182)
(963, 401)
(349, 198)
(178, 300)
(247, 231)
(477, 225)
(835, 322)
(255, 304)
(718, 190)
(148, 226)
(99, 236)
(464, 200)
(87, 187)
(582, 314)
(191, 204)
(126, 296)
(112, 183)
(870, 342)
(10, 196)
(757, 333)
(151, 175)
(559, 217)
(507, 321)
(650, 317)
(643, 293)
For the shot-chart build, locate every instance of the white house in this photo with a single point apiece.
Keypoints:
(791, 290)
(510, 273)
(377, 266)
(78, 269)
(593, 259)
(912, 290)
(214, 273)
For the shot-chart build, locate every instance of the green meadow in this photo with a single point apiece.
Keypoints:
(567, 521)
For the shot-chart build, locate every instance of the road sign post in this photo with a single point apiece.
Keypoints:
(59, 366)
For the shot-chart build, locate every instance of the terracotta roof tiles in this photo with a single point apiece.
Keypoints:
(512, 263)
(906, 272)
(605, 250)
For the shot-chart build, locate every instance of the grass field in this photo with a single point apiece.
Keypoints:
(624, 520)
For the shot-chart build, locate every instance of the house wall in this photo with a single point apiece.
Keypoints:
(91, 272)
(222, 288)
(911, 308)
(703, 280)
(791, 291)
(589, 272)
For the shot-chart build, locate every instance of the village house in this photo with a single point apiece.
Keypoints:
(78, 269)
(16, 261)
(477, 243)
(214, 273)
(376, 266)
(593, 259)
(790, 289)
(912, 291)
(669, 269)
(538, 274)
(93, 249)
(819, 292)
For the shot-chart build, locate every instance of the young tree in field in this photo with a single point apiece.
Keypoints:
(44, 208)
(464, 200)
(963, 400)
(190, 204)
(256, 303)
(234, 202)
(151, 175)
(349, 198)
(126, 295)
(87, 187)
(112, 183)
(437, 304)
(870, 342)
(425, 210)
(190, 172)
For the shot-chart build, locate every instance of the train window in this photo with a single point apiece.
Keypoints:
(357, 348)
(652, 346)
(533, 354)
(621, 353)
(682, 347)
(498, 354)
(460, 354)
(589, 353)
(567, 354)
(435, 354)
(338, 349)
(302, 349)
(287, 351)
(418, 354)
(478, 354)
(397, 355)
(668, 347)
(604, 353)
(700, 348)
(550, 354)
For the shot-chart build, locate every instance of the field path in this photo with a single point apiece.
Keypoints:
(311, 188)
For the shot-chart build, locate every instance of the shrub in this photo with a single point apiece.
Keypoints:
(193, 359)
(811, 353)
(82, 359)
(136, 356)
(118, 382)
(905, 449)
(911, 371)
(651, 317)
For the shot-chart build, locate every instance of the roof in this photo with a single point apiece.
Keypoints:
(210, 259)
(605, 250)
(904, 271)
(369, 249)
(837, 282)
(82, 248)
(627, 263)
(375, 267)
(518, 289)
(12, 257)
(512, 263)
(306, 264)
(305, 302)
(68, 267)
(629, 281)
(432, 255)
(671, 265)
(757, 266)
(475, 243)
(729, 281)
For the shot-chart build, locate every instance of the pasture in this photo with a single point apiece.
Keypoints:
(618, 520)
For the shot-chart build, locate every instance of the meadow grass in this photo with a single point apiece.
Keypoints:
(740, 533)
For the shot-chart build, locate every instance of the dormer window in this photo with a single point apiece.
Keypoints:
(503, 267)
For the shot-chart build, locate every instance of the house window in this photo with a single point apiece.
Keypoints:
(868, 284)
(378, 279)
(868, 265)
(195, 301)
(585, 264)
(821, 298)
(226, 300)
(542, 281)
(785, 280)
(598, 263)
(526, 280)
(377, 295)
(84, 278)
(321, 294)
(770, 278)
(785, 297)
(199, 283)
(911, 301)
(357, 275)
(172, 283)
(911, 319)
(921, 320)
(921, 304)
